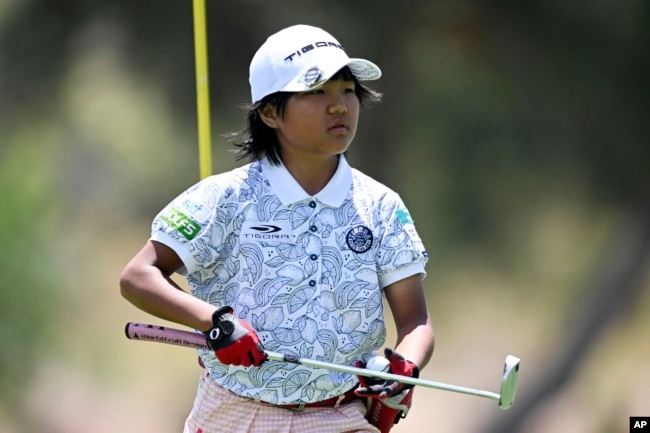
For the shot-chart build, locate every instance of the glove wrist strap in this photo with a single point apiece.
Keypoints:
(220, 327)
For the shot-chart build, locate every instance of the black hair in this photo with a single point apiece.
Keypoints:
(257, 140)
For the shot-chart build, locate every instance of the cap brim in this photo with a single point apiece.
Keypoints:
(363, 70)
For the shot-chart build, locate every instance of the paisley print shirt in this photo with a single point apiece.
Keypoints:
(306, 272)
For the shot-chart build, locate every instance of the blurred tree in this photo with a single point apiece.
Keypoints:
(616, 284)
(31, 292)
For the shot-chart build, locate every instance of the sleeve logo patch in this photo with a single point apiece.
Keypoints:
(404, 216)
(181, 222)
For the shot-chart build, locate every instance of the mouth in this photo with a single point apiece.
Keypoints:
(339, 127)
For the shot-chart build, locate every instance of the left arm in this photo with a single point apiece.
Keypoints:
(415, 336)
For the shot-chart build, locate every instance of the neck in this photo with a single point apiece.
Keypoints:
(312, 175)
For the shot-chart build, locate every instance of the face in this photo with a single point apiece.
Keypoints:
(322, 122)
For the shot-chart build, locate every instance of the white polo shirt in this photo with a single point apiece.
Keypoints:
(306, 272)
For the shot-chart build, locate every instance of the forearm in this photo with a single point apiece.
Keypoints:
(148, 289)
(416, 343)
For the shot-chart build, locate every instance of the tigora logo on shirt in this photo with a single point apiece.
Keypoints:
(183, 224)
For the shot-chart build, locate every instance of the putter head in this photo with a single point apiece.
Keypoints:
(509, 382)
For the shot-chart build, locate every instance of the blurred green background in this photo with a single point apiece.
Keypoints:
(515, 132)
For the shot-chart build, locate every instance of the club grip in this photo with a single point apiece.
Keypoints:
(160, 334)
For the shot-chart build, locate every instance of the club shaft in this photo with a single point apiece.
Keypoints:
(274, 356)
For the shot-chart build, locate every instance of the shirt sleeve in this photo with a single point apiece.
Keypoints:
(402, 253)
(188, 226)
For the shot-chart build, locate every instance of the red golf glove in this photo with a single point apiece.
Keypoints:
(233, 340)
(388, 400)
(383, 389)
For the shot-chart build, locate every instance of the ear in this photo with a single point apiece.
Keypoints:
(269, 116)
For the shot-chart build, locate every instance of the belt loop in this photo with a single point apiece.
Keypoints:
(300, 408)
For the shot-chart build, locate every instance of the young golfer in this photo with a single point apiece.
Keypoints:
(293, 252)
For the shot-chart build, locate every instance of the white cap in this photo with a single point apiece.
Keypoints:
(300, 58)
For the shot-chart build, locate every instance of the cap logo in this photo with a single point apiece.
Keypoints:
(299, 52)
(312, 77)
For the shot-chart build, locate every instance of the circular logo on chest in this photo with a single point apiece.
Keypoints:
(359, 239)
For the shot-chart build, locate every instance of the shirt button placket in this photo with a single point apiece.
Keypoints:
(314, 257)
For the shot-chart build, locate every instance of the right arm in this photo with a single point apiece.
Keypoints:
(146, 283)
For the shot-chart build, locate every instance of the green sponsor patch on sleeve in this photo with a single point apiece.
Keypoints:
(183, 224)
(404, 216)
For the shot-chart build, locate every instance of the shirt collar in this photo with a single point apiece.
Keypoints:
(289, 191)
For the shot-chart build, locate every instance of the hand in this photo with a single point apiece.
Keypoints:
(233, 340)
(384, 389)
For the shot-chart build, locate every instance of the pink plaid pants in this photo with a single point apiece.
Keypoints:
(217, 410)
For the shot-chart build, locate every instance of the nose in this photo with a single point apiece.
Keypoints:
(338, 105)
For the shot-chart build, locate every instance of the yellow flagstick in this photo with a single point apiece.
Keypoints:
(202, 89)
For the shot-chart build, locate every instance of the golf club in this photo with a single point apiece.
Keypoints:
(505, 397)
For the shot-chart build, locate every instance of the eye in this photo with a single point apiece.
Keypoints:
(318, 91)
(348, 86)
